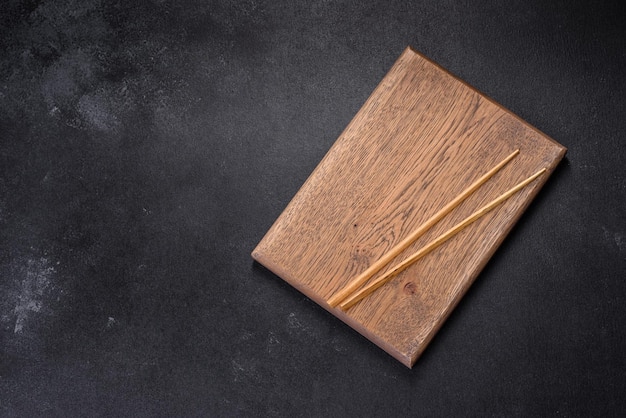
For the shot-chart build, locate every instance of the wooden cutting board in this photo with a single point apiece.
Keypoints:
(420, 139)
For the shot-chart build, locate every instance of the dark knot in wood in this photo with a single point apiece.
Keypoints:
(410, 288)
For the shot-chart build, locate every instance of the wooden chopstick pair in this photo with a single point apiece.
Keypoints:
(346, 297)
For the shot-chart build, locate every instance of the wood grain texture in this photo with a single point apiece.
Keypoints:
(402, 245)
(434, 244)
(420, 139)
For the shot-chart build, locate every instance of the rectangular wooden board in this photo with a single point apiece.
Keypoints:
(420, 139)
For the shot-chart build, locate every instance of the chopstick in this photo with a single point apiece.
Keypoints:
(337, 298)
(436, 242)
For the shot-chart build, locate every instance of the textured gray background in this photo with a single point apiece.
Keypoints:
(146, 147)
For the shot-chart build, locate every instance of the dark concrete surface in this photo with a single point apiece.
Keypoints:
(147, 146)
